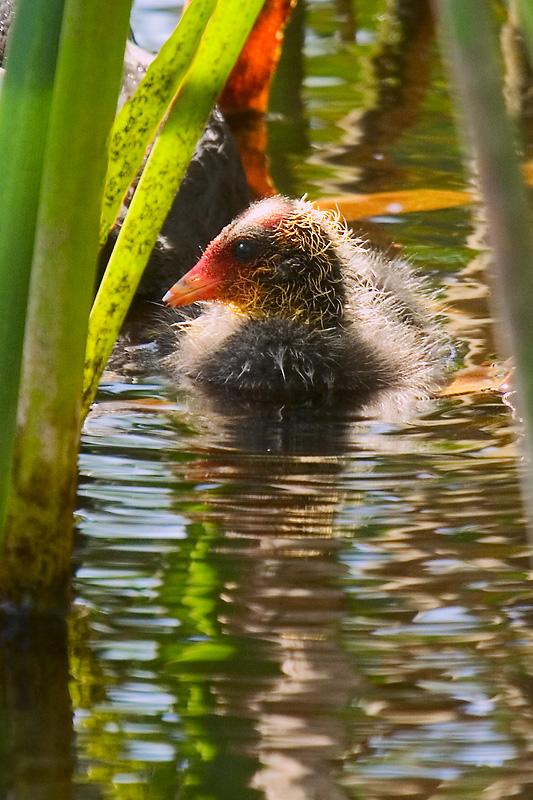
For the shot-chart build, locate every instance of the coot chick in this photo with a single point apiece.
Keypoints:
(297, 307)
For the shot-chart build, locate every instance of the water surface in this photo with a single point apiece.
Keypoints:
(285, 604)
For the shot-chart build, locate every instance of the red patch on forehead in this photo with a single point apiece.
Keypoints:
(265, 214)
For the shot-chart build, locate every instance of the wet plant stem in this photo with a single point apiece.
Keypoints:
(24, 113)
(35, 564)
(469, 37)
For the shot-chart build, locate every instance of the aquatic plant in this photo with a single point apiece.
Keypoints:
(51, 218)
(469, 39)
(24, 112)
(62, 251)
(218, 49)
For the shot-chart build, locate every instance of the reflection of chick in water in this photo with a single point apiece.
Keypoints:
(275, 511)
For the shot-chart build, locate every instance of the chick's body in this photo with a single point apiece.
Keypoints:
(302, 308)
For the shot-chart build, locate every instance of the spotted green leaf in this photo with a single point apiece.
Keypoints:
(219, 48)
(137, 121)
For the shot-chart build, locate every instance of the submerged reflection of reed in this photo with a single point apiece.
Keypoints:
(36, 731)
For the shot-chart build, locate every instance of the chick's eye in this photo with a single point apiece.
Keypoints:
(245, 249)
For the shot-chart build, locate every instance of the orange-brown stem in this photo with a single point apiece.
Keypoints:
(248, 85)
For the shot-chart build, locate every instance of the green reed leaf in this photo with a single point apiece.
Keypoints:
(139, 118)
(24, 112)
(220, 46)
(36, 559)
